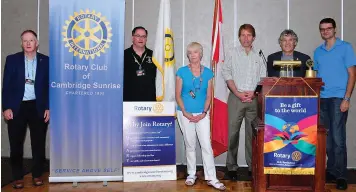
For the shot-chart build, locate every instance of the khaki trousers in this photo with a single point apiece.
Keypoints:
(237, 112)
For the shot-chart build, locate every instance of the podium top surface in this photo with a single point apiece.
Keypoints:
(291, 86)
(290, 81)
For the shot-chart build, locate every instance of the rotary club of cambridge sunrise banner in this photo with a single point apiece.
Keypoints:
(290, 135)
(86, 70)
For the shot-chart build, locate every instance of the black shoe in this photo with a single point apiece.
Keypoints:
(18, 184)
(341, 184)
(232, 175)
(330, 178)
(37, 181)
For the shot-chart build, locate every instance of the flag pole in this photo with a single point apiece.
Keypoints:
(213, 67)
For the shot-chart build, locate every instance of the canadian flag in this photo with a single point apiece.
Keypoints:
(219, 112)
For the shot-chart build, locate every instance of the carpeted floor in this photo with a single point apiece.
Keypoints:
(6, 176)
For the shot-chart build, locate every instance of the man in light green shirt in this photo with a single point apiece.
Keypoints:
(242, 72)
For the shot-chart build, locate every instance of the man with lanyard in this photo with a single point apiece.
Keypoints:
(25, 101)
(139, 69)
(335, 63)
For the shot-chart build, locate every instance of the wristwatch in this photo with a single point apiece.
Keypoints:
(347, 98)
(205, 112)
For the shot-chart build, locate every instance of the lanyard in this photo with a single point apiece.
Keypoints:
(28, 68)
(197, 88)
(138, 63)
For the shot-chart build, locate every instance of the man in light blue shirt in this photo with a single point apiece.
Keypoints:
(335, 63)
(25, 101)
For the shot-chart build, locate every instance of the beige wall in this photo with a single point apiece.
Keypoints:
(269, 17)
(350, 36)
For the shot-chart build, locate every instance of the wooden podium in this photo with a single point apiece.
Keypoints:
(269, 182)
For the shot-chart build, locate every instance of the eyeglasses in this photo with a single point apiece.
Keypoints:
(140, 36)
(326, 29)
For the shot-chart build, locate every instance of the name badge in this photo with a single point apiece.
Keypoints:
(29, 81)
(140, 72)
(192, 94)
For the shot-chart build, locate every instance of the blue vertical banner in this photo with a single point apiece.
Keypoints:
(86, 76)
(290, 136)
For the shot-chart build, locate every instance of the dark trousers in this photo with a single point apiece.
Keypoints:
(17, 128)
(335, 123)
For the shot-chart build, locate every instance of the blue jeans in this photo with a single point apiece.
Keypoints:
(335, 123)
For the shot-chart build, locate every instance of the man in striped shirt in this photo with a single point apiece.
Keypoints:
(242, 72)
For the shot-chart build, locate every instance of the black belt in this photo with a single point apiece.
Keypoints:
(29, 101)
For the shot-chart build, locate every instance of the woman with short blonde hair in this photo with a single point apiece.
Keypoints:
(193, 94)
